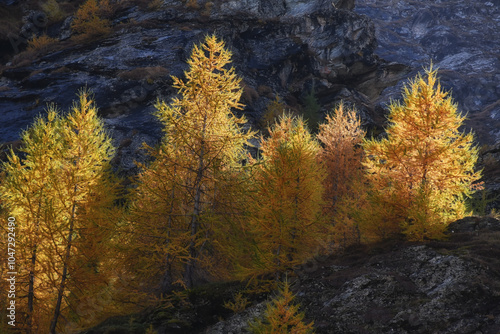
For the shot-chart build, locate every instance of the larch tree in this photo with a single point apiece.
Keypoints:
(422, 173)
(204, 143)
(287, 202)
(85, 193)
(341, 135)
(60, 192)
(25, 193)
(282, 316)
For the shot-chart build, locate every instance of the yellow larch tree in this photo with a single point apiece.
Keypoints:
(422, 173)
(282, 316)
(85, 191)
(60, 191)
(287, 202)
(204, 144)
(24, 192)
(341, 135)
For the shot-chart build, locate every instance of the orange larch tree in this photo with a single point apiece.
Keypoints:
(286, 207)
(341, 135)
(423, 171)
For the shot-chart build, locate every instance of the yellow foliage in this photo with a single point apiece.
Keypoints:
(89, 21)
(286, 206)
(239, 305)
(183, 193)
(282, 316)
(61, 189)
(423, 171)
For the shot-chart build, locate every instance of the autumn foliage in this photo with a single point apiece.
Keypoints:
(286, 207)
(341, 136)
(90, 19)
(422, 172)
(282, 316)
(61, 193)
(203, 209)
(181, 194)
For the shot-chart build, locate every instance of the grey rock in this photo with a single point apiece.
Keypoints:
(461, 39)
(285, 46)
(414, 289)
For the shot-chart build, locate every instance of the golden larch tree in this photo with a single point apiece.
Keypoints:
(422, 173)
(341, 135)
(204, 143)
(287, 201)
(282, 316)
(25, 193)
(60, 190)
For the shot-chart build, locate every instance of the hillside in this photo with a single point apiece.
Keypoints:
(306, 57)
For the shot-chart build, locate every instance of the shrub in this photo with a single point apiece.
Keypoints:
(41, 44)
(53, 11)
(89, 21)
(239, 305)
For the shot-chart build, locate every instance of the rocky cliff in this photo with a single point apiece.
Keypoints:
(280, 48)
(459, 37)
(359, 52)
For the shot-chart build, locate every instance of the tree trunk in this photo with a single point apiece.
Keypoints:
(189, 272)
(57, 310)
(31, 284)
(166, 282)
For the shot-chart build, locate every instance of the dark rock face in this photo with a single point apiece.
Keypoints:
(286, 47)
(461, 39)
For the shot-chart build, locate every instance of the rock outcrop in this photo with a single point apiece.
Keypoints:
(461, 39)
(280, 48)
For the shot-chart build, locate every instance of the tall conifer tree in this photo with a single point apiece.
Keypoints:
(204, 141)
(341, 136)
(286, 209)
(60, 191)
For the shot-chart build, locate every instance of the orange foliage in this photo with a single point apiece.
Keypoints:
(89, 21)
(286, 208)
(282, 316)
(422, 172)
(342, 154)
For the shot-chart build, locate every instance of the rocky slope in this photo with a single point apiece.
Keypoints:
(451, 286)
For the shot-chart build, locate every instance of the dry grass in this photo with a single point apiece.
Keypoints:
(53, 11)
(249, 94)
(266, 91)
